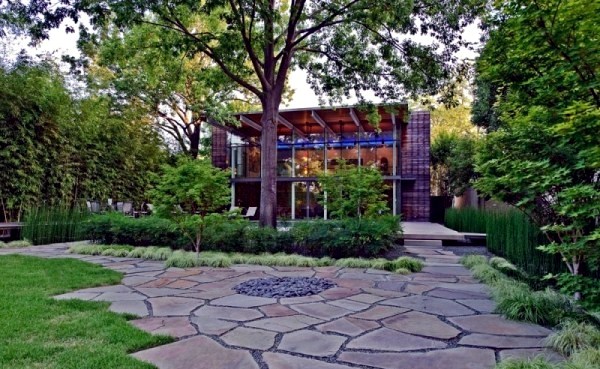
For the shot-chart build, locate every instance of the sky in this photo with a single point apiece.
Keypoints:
(60, 43)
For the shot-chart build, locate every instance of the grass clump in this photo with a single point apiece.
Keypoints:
(353, 263)
(15, 244)
(536, 363)
(486, 274)
(517, 301)
(182, 259)
(86, 249)
(585, 359)
(158, 253)
(137, 252)
(574, 336)
(123, 253)
(470, 261)
(41, 332)
(402, 271)
(405, 262)
(217, 259)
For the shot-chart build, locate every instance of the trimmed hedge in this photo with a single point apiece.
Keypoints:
(318, 238)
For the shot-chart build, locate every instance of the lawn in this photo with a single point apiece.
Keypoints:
(39, 332)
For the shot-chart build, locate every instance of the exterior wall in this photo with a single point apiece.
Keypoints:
(219, 150)
(412, 192)
(415, 141)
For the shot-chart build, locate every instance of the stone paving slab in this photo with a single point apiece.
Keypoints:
(254, 339)
(495, 324)
(457, 358)
(438, 318)
(285, 323)
(385, 339)
(176, 326)
(137, 308)
(311, 343)
(421, 324)
(348, 326)
(430, 305)
(170, 305)
(283, 361)
(498, 342)
(197, 353)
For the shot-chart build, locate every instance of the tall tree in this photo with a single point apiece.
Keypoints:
(542, 68)
(180, 90)
(347, 46)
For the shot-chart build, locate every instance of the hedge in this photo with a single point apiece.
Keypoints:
(334, 238)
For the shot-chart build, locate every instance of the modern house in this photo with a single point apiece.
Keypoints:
(314, 140)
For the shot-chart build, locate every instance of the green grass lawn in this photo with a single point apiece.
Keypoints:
(39, 332)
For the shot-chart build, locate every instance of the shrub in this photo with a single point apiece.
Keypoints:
(589, 288)
(116, 228)
(226, 234)
(574, 336)
(346, 237)
(318, 238)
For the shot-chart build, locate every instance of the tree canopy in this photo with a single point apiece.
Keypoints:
(58, 149)
(347, 47)
(179, 90)
(540, 69)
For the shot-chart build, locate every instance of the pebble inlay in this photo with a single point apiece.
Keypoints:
(283, 287)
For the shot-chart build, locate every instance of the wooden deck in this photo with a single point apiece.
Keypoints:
(430, 231)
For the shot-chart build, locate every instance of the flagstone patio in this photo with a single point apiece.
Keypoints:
(438, 318)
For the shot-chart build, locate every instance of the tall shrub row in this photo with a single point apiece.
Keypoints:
(510, 234)
(45, 224)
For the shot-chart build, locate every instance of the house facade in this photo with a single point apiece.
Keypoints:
(314, 141)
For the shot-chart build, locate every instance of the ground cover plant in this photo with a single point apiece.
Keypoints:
(15, 244)
(37, 331)
(185, 259)
(576, 334)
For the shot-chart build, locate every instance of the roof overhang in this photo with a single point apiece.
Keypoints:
(334, 120)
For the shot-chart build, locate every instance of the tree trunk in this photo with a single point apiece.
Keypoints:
(194, 136)
(268, 161)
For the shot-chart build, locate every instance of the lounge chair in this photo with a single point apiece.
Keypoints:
(251, 212)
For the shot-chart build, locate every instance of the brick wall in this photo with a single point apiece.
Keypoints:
(415, 164)
(219, 148)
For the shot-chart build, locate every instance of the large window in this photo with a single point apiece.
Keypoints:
(306, 200)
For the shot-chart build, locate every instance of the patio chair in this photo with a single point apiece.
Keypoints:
(128, 208)
(251, 212)
(94, 206)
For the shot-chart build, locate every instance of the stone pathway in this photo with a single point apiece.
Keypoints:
(438, 318)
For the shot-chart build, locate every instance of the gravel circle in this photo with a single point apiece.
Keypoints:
(283, 287)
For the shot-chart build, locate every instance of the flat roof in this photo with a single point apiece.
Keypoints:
(335, 120)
